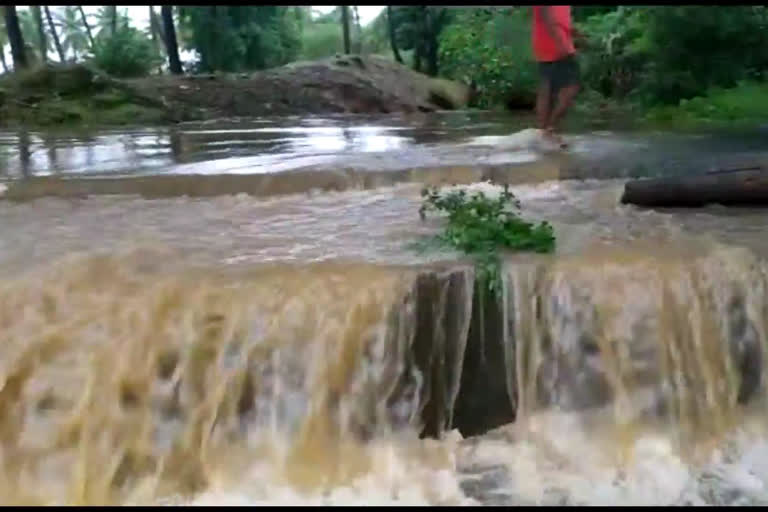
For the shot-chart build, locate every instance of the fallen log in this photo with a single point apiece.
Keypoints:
(736, 187)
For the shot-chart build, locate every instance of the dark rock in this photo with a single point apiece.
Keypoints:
(435, 315)
(484, 402)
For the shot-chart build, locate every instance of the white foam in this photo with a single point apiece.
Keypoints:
(527, 139)
(557, 463)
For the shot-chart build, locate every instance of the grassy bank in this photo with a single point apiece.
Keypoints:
(72, 96)
(742, 106)
(78, 96)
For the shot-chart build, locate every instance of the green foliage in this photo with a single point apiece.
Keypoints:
(241, 38)
(321, 40)
(3, 35)
(493, 50)
(104, 19)
(694, 48)
(418, 28)
(73, 36)
(616, 59)
(29, 35)
(376, 36)
(746, 103)
(653, 55)
(481, 226)
(583, 12)
(129, 53)
(663, 54)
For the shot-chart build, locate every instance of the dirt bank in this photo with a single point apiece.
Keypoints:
(350, 84)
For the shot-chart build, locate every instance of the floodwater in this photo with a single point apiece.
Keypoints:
(241, 350)
(259, 146)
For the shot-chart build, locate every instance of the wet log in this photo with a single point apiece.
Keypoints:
(735, 187)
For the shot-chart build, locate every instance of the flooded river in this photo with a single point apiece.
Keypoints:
(291, 349)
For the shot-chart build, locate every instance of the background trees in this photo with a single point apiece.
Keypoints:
(656, 55)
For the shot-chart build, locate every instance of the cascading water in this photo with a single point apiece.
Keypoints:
(680, 332)
(615, 372)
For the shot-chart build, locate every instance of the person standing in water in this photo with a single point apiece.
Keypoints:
(555, 53)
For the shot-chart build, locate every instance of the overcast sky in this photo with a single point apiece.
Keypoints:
(139, 15)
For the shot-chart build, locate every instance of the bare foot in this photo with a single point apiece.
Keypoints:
(553, 137)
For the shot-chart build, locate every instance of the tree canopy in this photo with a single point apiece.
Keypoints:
(657, 54)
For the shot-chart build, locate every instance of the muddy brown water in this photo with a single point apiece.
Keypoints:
(231, 349)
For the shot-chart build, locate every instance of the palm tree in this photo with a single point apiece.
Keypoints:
(15, 37)
(392, 40)
(85, 23)
(3, 42)
(112, 19)
(155, 29)
(73, 37)
(358, 30)
(56, 41)
(345, 27)
(2, 56)
(171, 45)
(28, 30)
(37, 14)
(106, 20)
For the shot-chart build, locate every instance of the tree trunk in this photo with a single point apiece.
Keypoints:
(345, 27)
(436, 18)
(417, 55)
(299, 19)
(55, 36)
(158, 39)
(358, 46)
(392, 41)
(37, 14)
(428, 40)
(153, 30)
(432, 66)
(15, 38)
(113, 20)
(747, 187)
(171, 45)
(2, 59)
(208, 61)
(159, 27)
(87, 26)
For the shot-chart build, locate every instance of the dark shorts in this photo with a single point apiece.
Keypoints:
(560, 73)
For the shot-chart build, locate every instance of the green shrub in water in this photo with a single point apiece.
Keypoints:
(481, 226)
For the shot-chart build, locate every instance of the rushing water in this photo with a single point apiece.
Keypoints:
(241, 350)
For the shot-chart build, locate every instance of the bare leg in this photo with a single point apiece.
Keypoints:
(543, 105)
(565, 99)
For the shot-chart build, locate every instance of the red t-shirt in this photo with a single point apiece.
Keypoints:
(544, 47)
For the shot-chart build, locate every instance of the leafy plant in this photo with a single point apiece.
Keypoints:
(616, 59)
(240, 38)
(492, 50)
(481, 226)
(128, 53)
(74, 38)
